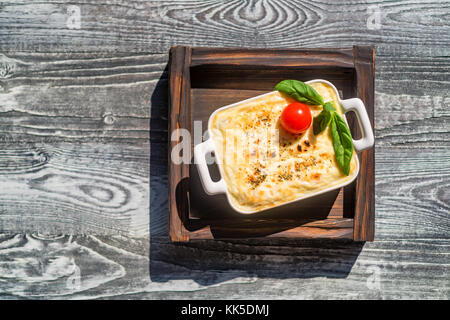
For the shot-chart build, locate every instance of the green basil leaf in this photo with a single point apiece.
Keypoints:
(329, 106)
(342, 142)
(321, 122)
(300, 91)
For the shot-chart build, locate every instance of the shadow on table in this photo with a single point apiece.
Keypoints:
(209, 262)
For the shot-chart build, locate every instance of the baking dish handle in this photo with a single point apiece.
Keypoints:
(200, 152)
(367, 141)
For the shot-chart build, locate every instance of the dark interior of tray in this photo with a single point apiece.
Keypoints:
(214, 86)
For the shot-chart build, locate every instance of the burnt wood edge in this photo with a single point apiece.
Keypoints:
(180, 117)
(320, 57)
(314, 229)
(364, 220)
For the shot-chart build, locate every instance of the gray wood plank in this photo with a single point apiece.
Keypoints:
(114, 267)
(406, 27)
(75, 188)
(83, 96)
(411, 193)
(112, 97)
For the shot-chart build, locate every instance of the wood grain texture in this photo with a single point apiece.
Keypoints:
(73, 97)
(412, 185)
(407, 28)
(66, 93)
(72, 151)
(36, 118)
(114, 267)
(86, 188)
(50, 95)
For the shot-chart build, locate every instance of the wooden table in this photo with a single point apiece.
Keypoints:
(83, 157)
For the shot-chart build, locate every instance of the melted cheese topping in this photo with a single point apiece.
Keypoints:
(262, 164)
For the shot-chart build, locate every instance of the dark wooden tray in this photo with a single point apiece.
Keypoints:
(204, 79)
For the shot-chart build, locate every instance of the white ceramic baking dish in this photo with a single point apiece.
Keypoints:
(201, 150)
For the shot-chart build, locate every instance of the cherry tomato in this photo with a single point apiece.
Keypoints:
(296, 118)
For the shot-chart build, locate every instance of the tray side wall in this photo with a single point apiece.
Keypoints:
(364, 221)
(180, 117)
